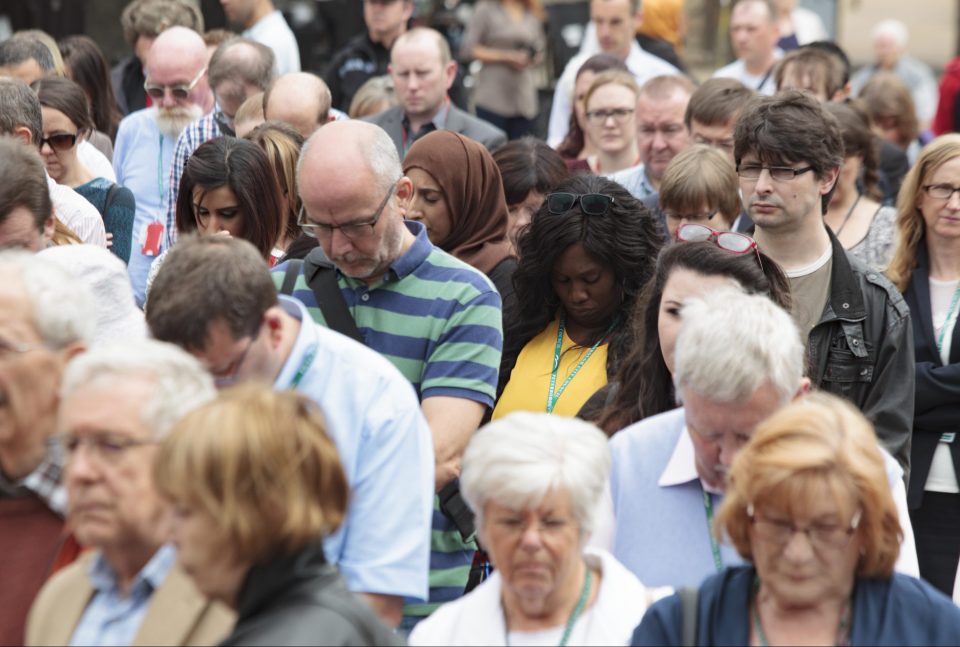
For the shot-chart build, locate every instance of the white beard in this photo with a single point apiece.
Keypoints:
(173, 121)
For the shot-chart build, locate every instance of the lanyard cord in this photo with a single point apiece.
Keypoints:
(950, 311)
(553, 396)
(714, 546)
(160, 171)
(574, 615)
(304, 367)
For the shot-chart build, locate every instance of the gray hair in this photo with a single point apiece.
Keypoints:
(893, 29)
(20, 106)
(378, 151)
(731, 343)
(242, 60)
(63, 308)
(21, 48)
(180, 383)
(516, 461)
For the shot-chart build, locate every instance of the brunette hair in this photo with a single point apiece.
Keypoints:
(87, 66)
(68, 97)
(821, 67)
(526, 165)
(859, 141)
(572, 144)
(887, 97)
(717, 102)
(701, 175)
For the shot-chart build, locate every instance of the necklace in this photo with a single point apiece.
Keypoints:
(574, 615)
(843, 223)
(843, 627)
(553, 396)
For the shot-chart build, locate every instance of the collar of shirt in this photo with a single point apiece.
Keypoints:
(682, 466)
(439, 120)
(104, 578)
(306, 338)
(44, 481)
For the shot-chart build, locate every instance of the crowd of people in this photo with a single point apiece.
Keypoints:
(355, 358)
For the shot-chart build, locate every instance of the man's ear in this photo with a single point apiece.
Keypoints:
(829, 180)
(25, 134)
(450, 71)
(49, 228)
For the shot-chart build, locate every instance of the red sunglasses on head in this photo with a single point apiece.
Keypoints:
(728, 241)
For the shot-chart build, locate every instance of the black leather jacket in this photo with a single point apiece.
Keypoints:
(302, 600)
(862, 350)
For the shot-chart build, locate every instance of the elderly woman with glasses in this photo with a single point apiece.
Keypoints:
(535, 482)
(808, 503)
(583, 261)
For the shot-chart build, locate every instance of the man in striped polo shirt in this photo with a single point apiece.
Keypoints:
(436, 318)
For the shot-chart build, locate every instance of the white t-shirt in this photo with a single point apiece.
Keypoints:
(764, 84)
(943, 477)
(274, 32)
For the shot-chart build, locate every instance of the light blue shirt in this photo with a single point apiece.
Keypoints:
(113, 618)
(634, 180)
(386, 448)
(141, 159)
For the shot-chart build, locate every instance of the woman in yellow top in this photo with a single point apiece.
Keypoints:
(583, 260)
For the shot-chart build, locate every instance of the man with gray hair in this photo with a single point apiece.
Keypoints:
(26, 211)
(46, 318)
(118, 402)
(739, 358)
(239, 68)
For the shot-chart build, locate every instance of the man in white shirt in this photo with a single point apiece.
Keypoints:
(754, 31)
(263, 23)
(616, 22)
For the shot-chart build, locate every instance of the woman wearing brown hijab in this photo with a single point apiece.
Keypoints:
(458, 196)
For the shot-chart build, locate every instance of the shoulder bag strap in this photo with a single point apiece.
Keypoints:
(332, 305)
(290, 276)
(689, 603)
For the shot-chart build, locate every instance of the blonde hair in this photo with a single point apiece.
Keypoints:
(282, 144)
(620, 77)
(63, 235)
(250, 110)
(910, 225)
(820, 445)
(261, 463)
(371, 96)
(701, 175)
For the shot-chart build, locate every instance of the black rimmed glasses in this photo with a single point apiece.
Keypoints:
(777, 173)
(229, 376)
(822, 536)
(179, 92)
(353, 231)
(940, 191)
(619, 115)
(592, 204)
(60, 141)
(728, 241)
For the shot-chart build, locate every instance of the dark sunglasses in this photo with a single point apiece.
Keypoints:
(592, 204)
(60, 141)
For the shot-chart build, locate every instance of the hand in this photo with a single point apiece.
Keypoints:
(518, 59)
(109, 240)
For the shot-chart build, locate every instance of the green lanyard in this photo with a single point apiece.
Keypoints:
(574, 615)
(304, 367)
(946, 322)
(714, 546)
(843, 630)
(553, 396)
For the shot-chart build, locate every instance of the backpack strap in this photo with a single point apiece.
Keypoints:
(111, 194)
(290, 276)
(689, 608)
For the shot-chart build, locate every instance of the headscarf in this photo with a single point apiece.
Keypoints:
(473, 192)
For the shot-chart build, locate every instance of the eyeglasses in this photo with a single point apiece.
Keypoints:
(60, 141)
(599, 117)
(353, 231)
(728, 241)
(940, 191)
(513, 526)
(106, 448)
(178, 92)
(777, 173)
(673, 215)
(228, 377)
(822, 536)
(592, 204)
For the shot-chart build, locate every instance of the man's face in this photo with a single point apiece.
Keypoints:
(30, 372)
(386, 17)
(718, 136)
(886, 52)
(420, 77)
(616, 26)
(783, 205)
(239, 12)
(19, 229)
(27, 71)
(234, 361)
(174, 113)
(660, 130)
(720, 429)
(231, 95)
(753, 34)
(111, 499)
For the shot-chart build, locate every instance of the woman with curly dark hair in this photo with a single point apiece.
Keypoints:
(643, 385)
(583, 261)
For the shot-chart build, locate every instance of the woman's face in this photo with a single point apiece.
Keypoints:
(536, 550)
(59, 161)
(610, 133)
(587, 287)
(429, 206)
(217, 210)
(808, 557)
(579, 97)
(521, 214)
(942, 217)
(682, 284)
(202, 553)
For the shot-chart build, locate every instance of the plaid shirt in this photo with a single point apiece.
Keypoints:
(44, 481)
(200, 131)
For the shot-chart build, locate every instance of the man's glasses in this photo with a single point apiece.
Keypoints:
(353, 231)
(778, 173)
(178, 92)
(60, 141)
(228, 377)
(105, 447)
(822, 536)
(941, 191)
(728, 241)
(592, 204)
(599, 117)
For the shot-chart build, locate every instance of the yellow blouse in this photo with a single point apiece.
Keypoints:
(530, 380)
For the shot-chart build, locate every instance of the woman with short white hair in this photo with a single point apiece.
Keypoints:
(534, 482)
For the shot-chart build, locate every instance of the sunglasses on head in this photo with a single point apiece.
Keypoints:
(60, 141)
(728, 241)
(592, 204)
